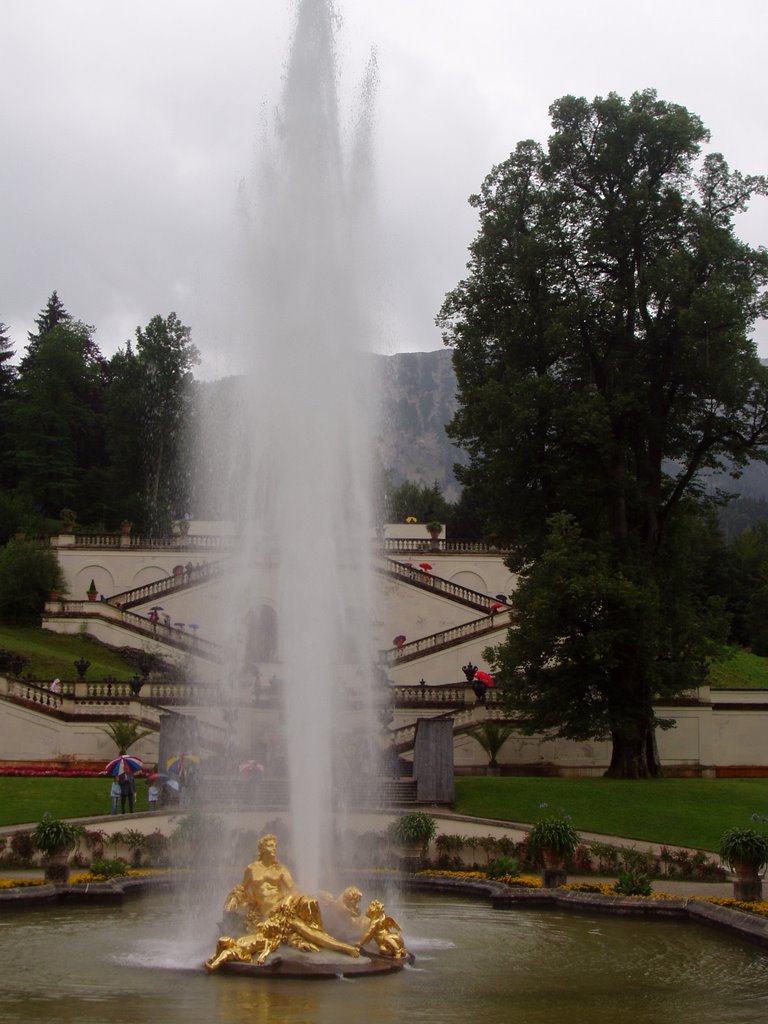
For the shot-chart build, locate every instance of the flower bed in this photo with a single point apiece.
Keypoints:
(757, 909)
(44, 769)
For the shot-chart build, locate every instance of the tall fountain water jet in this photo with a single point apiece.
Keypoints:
(301, 439)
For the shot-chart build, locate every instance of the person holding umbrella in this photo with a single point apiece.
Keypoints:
(122, 769)
(127, 791)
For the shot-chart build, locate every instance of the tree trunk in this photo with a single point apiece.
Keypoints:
(633, 755)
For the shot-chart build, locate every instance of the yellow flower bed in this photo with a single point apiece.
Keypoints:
(523, 881)
(20, 883)
(88, 877)
(758, 907)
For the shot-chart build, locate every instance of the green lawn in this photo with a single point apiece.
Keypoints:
(51, 654)
(676, 812)
(25, 800)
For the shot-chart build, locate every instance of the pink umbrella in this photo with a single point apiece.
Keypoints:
(485, 678)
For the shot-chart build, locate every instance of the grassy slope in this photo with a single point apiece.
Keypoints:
(743, 671)
(678, 812)
(51, 654)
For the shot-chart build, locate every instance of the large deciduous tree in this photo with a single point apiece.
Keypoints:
(604, 362)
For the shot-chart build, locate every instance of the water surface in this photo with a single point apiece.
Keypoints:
(121, 965)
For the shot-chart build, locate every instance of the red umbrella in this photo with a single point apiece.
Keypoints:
(399, 640)
(485, 678)
(495, 607)
(425, 566)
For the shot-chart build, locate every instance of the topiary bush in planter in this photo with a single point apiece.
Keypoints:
(56, 840)
(414, 831)
(745, 850)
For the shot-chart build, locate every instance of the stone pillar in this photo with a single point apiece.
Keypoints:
(433, 760)
(178, 735)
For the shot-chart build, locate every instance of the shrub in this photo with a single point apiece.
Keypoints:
(633, 883)
(22, 847)
(28, 572)
(51, 834)
(554, 832)
(157, 847)
(503, 866)
(135, 841)
(95, 840)
(109, 867)
(582, 859)
(413, 827)
(195, 836)
(744, 846)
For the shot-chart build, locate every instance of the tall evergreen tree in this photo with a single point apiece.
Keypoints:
(601, 337)
(7, 380)
(55, 419)
(7, 371)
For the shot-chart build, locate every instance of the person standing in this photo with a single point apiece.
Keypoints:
(127, 792)
(152, 794)
(114, 793)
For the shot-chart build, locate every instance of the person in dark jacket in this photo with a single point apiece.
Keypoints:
(127, 792)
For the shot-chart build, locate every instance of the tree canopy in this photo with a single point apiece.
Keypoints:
(104, 438)
(604, 362)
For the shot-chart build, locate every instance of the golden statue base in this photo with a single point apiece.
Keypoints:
(311, 965)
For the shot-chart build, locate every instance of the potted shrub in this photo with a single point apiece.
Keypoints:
(68, 520)
(553, 841)
(745, 851)
(92, 592)
(433, 529)
(414, 832)
(56, 840)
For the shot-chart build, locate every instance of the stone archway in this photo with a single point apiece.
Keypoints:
(471, 580)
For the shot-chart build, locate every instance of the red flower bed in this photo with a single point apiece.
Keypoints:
(52, 769)
(64, 773)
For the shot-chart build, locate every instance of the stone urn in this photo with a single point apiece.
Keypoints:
(748, 886)
(745, 850)
(552, 859)
(56, 864)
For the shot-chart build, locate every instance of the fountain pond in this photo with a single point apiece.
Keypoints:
(473, 963)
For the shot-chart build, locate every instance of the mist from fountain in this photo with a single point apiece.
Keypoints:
(298, 441)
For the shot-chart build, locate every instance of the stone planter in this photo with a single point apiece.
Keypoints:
(553, 873)
(56, 865)
(748, 886)
(409, 856)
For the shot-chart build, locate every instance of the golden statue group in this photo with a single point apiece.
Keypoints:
(276, 914)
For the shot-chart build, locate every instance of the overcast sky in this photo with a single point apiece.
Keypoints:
(125, 129)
